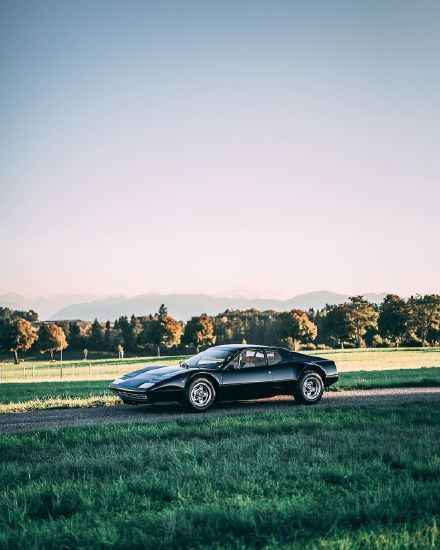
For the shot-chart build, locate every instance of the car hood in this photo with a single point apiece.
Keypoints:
(148, 374)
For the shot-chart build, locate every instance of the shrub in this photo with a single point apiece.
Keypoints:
(349, 345)
(413, 342)
(387, 343)
(309, 346)
(322, 346)
(377, 340)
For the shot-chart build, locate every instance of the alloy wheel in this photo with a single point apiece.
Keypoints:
(201, 394)
(312, 387)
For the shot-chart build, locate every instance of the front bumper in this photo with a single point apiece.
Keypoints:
(331, 379)
(130, 396)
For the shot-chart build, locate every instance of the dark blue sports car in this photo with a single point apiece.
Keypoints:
(227, 373)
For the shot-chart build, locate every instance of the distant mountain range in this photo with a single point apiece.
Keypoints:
(45, 306)
(180, 306)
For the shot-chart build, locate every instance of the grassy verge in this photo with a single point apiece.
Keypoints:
(18, 397)
(383, 359)
(59, 403)
(357, 478)
(405, 378)
(100, 369)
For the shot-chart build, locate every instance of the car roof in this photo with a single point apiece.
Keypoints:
(237, 347)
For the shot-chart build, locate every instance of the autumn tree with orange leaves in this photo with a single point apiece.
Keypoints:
(51, 338)
(18, 335)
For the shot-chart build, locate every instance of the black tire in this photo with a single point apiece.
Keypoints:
(309, 388)
(199, 395)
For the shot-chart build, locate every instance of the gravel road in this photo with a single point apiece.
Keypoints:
(58, 418)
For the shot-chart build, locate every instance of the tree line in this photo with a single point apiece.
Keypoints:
(357, 323)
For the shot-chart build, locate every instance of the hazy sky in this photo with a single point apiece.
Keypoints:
(269, 148)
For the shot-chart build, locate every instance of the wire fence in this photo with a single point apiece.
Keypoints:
(77, 370)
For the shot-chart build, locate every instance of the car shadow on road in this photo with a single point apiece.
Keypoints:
(226, 406)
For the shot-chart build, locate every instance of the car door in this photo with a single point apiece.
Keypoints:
(282, 372)
(247, 376)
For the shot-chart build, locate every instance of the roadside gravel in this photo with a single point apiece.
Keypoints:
(58, 418)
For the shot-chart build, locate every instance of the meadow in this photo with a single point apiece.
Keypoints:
(382, 358)
(104, 369)
(300, 478)
(95, 369)
(85, 384)
(19, 397)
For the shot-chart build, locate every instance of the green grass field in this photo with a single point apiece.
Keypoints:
(383, 358)
(18, 397)
(98, 369)
(103, 369)
(352, 478)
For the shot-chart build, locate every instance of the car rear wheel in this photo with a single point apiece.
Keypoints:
(309, 388)
(199, 395)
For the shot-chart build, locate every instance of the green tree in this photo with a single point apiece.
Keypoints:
(96, 338)
(136, 327)
(108, 337)
(11, 314)
(51, 338)
(199, 331)
(144, 339)
(361, 317)
(163, 312)
(393, 318)
(17, 335)
(76, 338)
(230, 327)
(125, 332)
(161, 331)
(433, 336)
(296, 325)
(336, 324)
(251, 325)
(424, 315)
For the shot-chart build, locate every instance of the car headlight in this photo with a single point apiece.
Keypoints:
(147, 385)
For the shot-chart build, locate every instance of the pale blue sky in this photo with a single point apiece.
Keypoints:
(268, 147)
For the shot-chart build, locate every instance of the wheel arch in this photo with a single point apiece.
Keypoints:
(209, 376)
(314, 367)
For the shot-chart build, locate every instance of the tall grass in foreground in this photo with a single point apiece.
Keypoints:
(305, 477)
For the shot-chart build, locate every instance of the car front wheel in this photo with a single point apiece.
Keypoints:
(309, 388)
(199, 395)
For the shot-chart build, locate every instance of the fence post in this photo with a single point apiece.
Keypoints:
(90, 369)
(1, 373)
(24, 369)
(33, 371)
(61, 370)
(73, 370)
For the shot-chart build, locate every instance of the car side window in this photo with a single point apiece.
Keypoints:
(234, 364)
(252, 358)
(273, 357)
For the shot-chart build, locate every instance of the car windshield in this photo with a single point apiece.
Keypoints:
(210, 358)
